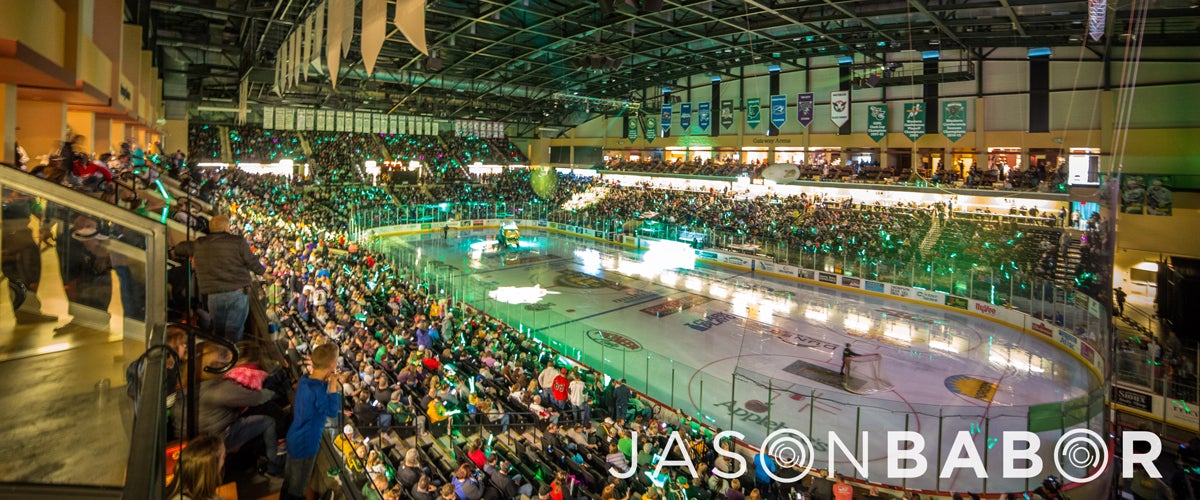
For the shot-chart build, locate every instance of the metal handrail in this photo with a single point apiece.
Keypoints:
(192, 407)
(146, 467)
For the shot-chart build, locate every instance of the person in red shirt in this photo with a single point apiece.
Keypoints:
(431, 362)
(477, 456)
(558, 389)
(841, 490)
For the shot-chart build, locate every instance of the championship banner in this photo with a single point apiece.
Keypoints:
(704, 115)
(726, 113)
(914, 120)
(665, 123)
(804, 109)
(685, 118)
(954, 119)
(650, 128)
(268, 117)
(752, 112)
(778, 110)
(839, 107)
(877, 121)
(633, 131)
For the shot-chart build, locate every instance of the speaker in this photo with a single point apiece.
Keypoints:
(606, 7)
(596, 62)
(872, 80)
(433, 64)
(652, 5)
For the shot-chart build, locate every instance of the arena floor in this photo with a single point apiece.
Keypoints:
(755, 354)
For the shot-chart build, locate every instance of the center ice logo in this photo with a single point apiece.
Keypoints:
(1077, 449)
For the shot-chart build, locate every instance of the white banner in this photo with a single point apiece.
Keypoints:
(410, 20)
(318, 39)
(306, 48)
(333, 42)
(839, 107)
(347, 25)
(297, 39)
(374, 29)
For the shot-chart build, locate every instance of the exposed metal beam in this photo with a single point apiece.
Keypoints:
(937, 21)
(1012, 16)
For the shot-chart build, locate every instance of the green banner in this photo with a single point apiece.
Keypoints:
(914, 120)
(633, 128)
(877, 121)
(954, 119)
(753, 107)
(650, 128)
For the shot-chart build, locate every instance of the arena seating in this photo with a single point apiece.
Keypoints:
(204, 142)
(253, 144)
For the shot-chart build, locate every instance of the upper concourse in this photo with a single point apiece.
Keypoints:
(75, 65)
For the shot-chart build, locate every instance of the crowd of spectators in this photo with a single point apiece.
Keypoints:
(338, 157)
(1037, 177)
(512, 154)
(204, 142)
(411, 356)
(252, 144)
(725, 167)
(467, 150)
(505, 419)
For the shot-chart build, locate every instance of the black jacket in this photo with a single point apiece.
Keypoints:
(506, 486)
(224, 263)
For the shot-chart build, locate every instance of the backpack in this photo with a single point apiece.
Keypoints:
(133, 379)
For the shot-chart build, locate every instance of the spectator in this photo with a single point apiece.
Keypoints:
(621, 396)
(316, 400)
(222, 402)
(425, 490)
(199, 470)
(223, 264)
(842, 490)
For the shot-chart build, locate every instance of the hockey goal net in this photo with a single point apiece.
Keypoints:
(864, 375)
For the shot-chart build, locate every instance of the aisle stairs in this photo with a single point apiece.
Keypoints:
(304, 145)
(226, 152)
(931, 238)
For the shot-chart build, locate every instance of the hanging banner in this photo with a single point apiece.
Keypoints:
(954, 119)
(307, 46)
(649, 128)
(753, 117)
(333, 41)
(268, 117)
(778, 110)
(914, 120)
(704, 114)
(297, 42)
(727, 113)
(839, 107)
(278, 88)
(804, 109)
(685, 118)
(318, 39)
(410, 20)
(348, 19)
(374, 30)
(877, 121)
(666, 118)
(633, 125)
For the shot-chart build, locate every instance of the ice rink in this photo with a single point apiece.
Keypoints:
(755, 354)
